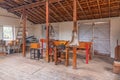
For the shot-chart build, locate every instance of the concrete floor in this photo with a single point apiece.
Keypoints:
(15, 67)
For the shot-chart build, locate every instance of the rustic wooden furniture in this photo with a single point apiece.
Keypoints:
(51, 50)
(82, 46)
(35, 51)
(116, 67)
(60, 53)
(117, 52)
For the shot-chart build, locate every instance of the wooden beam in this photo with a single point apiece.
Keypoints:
(75, 29)
(65, 18)
(75, 15)
(90, 9)
(56, 14)
(33, 11)
(65, 9)
(109, 7)
(32, 5)
(81, 9)
(99, 8)
(51, 17)
(24, 32)
(119, 8)
(47, 30)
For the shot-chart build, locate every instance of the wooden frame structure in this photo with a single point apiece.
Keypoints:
(86, 9)
(24, 32)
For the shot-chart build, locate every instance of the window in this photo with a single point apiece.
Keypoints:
(7, 33)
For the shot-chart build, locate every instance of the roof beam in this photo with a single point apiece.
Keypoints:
(119, 9)
(56, 15)
(51, 17)
(63, 16)
(32, 5)
(81, 8)
(65, 9)
(99, 8)
(87, 1)
(109, 7)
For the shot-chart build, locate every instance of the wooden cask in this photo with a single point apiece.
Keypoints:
(116, 67)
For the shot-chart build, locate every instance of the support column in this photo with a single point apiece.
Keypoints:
(24, 33)
(75, 15)
(47, 31)
(75, 30)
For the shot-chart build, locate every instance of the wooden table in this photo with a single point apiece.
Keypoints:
(75, 49)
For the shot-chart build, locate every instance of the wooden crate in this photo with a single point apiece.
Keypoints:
(116, 67)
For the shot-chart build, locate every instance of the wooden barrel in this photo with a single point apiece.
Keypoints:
(116, 67)
(117, 53)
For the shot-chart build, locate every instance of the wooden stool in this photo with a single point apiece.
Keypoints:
(35, 53)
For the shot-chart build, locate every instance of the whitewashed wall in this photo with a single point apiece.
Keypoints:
(37, 31)
(65, 30)
(7, 18)
(115, 34)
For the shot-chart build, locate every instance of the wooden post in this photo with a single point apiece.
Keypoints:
(47, 31)
(24, 33)
(74, 58)
(75, 15)
(75, 29)
(87, 53)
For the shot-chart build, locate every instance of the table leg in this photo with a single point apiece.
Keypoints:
(87, 53)
(67, 57)
(74, 58)
(55, 55)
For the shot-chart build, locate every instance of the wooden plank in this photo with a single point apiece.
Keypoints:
(87, 1)
(99, 9)
(75, 15)
(75, 29)
(81, 9)
(47, 30)
(65, 9)
(32, 5)
(65, 18)
(24, 33)
(109, 7)
(74, 58)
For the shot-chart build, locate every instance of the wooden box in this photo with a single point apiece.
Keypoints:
(116, 67)
(35, 45)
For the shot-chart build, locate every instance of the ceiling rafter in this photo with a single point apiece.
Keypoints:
(81, 9)
(31, 14)
(30, 17)
(70, 6)
(35, 4)
(51, 17)
(65, 9)
(87, 1)
(99, 8)
(109, 7)
(34, 11)
(59, 12)
(55, 14)
(119, 8)
(87, 9)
